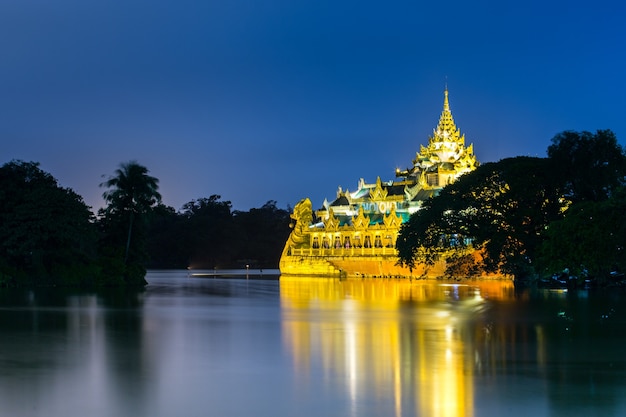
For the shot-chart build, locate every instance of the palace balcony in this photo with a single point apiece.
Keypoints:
(353, 251)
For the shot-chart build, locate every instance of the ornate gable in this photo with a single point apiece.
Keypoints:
(392, 220)
(360, 221)
(331, 223)
(378, 193)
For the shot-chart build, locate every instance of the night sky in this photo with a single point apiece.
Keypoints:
(281, 100)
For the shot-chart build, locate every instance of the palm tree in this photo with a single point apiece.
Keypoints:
(131, 192)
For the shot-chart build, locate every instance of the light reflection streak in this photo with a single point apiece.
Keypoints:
(408, 341)
(351, 359)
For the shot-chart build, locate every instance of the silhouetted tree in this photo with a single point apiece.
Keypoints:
(509, 208)
(591, 237)
(47, 234)
(264, 232)
(500, 208)
(207, 234)
(590, 165)
(167, 239)
(131, 195)
(210, 236)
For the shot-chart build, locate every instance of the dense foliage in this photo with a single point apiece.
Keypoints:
(590, 166)
(517, 214)
(208, 234)
(591, 239)
(47, 233)
(48, 236)
(131, 195)
(500, 208)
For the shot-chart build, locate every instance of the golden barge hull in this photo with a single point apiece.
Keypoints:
(338, 263)
(379, 263)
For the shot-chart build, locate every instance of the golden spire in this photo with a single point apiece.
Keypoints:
(446, 129)
(446, 143)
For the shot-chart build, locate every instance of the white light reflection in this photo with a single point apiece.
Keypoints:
(351, 353)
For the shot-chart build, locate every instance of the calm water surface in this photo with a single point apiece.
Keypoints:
(204, 346)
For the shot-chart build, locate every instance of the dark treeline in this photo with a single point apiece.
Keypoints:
(530, 217)
(208, 234)
(49, 236)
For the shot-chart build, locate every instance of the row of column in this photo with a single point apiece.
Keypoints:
(338, 241)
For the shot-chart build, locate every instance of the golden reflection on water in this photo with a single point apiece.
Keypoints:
(411, 341)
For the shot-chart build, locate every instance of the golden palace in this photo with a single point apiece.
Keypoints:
(355, 235)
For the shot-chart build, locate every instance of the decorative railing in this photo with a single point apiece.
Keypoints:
(384, 251)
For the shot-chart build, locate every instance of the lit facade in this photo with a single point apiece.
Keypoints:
(355, 234)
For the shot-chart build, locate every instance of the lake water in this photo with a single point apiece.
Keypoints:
(231, 346)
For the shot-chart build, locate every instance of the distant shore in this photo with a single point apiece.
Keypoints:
(233, 273)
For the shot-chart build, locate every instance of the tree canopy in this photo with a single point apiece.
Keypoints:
(589, 165)
(499, 209)
(206, 233)
(591, 238)
(48, 236)
(47, 232)
(131, 195)
(523, 213)
(131, 189)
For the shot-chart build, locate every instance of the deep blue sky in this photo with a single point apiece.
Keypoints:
(280, 100)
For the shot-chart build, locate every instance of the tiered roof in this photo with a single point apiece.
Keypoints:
(443, 160)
